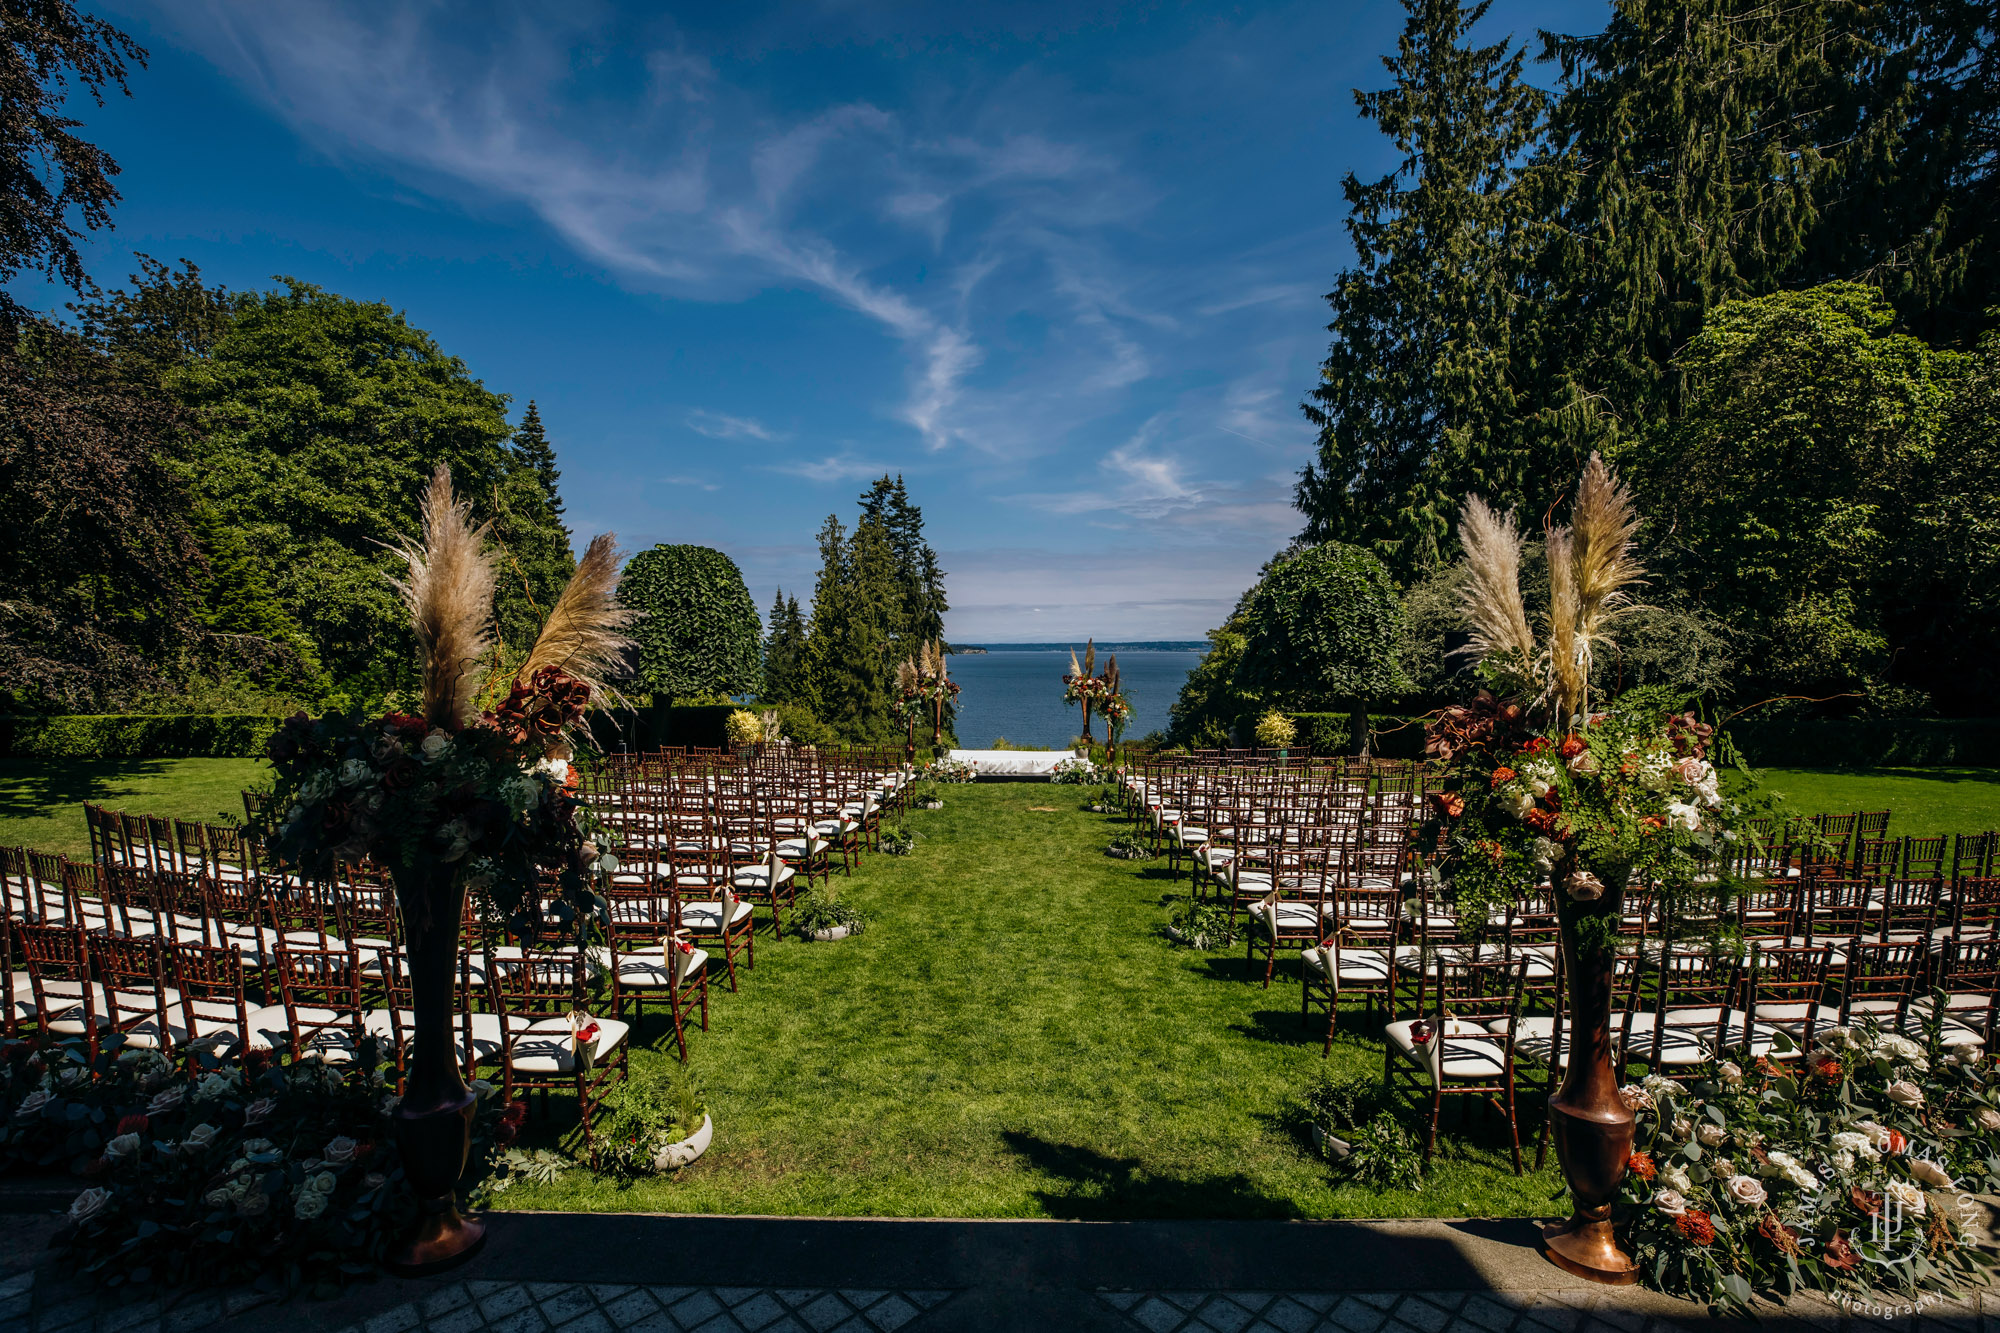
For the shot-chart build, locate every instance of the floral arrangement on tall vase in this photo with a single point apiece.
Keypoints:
(925, 692)
(1556, 794)
(455, 802)
(1082, 684)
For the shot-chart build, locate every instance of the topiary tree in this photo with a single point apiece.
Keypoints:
(699, 637)
(1322, 631)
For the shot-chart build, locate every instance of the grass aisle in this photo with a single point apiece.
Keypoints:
(1013, 1037)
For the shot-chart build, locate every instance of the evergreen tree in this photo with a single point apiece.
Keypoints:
(1415, 400)
(919, 581)
(1701, 152)
(785, 652)
(535, 555)
(531, 443)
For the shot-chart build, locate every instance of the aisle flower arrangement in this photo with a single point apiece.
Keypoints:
(486, 799)
(925, 691)
(1082, 684)
(1847, 1172)
(1631, 791)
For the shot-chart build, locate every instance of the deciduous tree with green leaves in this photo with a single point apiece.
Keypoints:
(699, 636)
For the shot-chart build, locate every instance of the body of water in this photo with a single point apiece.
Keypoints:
(1016, 694)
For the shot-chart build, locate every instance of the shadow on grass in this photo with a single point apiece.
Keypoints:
(1103, 1188)
(35, 788)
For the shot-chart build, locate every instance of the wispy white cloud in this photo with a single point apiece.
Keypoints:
(836, 467)
(722, 426)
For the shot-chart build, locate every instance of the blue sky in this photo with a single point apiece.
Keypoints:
(1060, 265)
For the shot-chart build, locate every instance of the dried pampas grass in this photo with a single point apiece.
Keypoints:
(1491, 598)
(1591, 567)
(449, 593)
(584, 634)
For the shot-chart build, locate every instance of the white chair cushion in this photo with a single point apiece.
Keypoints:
(1469, 1052)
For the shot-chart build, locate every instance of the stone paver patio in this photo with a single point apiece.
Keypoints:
(607, 1273)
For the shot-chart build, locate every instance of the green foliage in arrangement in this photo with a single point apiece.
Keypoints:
(699, 636)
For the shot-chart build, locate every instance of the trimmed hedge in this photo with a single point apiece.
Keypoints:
(1393, 736)
(137, 736)
(1869, 742)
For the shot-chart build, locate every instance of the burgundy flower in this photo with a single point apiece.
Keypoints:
(403, 773)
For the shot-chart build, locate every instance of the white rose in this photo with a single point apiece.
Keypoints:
(1746, 1191)
(255, 1203)
(1722, 1168)
(122, 1147)
(89, 1204)
(1670, 1202)
(1908, 1196)
(1843, 1160)
(1900, 1047)
(1584, 764)
(557, 769)
(435, 744)
(1676, 1179)
(355, 772)
(1730, 1073)
(32, 1104)
(1635, 1098)
(323, 1183)
(201, 1136)
(1848, 1141)
(1986, 1118)
(1709, 1135)
(1878, 1137)
(340, 1151)
(1924, 1169)
(1681, 815)
(308, 1205)
(1904, 1093)
(163, 1102)
(1660, 1086)
(1682, 1129)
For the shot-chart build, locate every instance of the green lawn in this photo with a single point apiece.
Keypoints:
(1922, 800)
(1014, 1037)
(41, 800)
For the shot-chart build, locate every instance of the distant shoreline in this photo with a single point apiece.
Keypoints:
(1151, 646)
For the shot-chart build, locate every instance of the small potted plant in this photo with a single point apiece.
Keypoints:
(1275, 731)
(819, 915)
(897, 840)
(925, 796)
(1353, 1129)
(1128, 847)
(1201, 926)
(656, 1120)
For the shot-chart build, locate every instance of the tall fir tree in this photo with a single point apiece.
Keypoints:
(1415, 400)
(536, 559)
(919, 580)
(531, 444)
(785, 653)
(1702, 152)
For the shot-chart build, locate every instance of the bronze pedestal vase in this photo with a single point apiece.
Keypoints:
(433, 1123)
(1589, 1121)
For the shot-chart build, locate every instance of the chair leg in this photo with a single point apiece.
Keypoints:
(1513, 1127)
(1430, 1141)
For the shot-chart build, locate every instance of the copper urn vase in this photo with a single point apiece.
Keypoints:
(433, 1122)
(1589, 1121)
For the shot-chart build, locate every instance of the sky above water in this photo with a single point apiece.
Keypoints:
(1061, 266)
